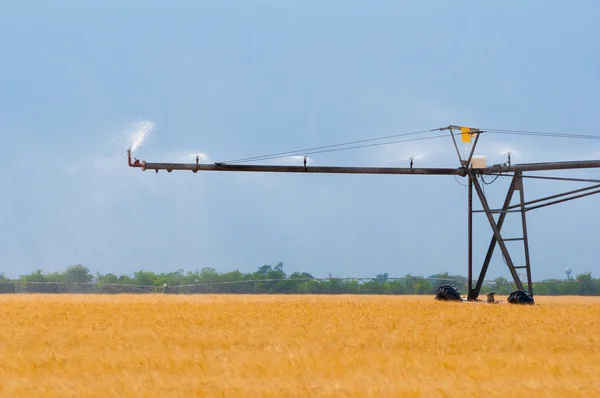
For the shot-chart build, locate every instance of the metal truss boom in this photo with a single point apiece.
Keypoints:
(460, 171)
(465, 169)
(297, 169)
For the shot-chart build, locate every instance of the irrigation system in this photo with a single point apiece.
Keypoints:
(473, 168)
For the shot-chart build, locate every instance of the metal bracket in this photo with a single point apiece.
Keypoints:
(466, 163)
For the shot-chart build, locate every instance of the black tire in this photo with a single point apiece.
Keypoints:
(520, 297)
(447, 293)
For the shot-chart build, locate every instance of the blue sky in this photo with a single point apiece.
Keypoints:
(233, 79)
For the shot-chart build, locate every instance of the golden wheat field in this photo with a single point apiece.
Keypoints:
(358, 346)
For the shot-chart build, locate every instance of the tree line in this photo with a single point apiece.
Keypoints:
(269, 279)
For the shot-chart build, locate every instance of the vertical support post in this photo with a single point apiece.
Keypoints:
(470, 291)
(525, 240)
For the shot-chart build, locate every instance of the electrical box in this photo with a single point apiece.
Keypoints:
(478, 162)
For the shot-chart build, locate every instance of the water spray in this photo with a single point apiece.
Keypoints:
(140, 132)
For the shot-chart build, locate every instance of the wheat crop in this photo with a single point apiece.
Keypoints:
(275, 346)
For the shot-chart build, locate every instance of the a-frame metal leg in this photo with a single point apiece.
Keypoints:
(515, 185)
(496, 230)
(474, 292)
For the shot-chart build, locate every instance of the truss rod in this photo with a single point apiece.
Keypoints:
(555, 196)
(552, 178)
(563, 200)
(561, 178)
(498, 211)
(580, 164)
(510, 209)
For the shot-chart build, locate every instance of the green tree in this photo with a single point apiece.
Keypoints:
(208, 275)
(231, 276)
(77, 274)
(35, 276)
(276, 272)
(381, 278)
(587, 285)
(263, 271)
(56, 277)
(441, 279)
(301, 275)
(145, 278)
(125, 279)
(374, 287)
(501, 285)
(396, 287)
(108, 278)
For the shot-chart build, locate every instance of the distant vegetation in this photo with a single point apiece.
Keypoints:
(269, 279)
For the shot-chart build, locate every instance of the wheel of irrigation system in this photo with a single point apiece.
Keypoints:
(447, 293)
(520, 297)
